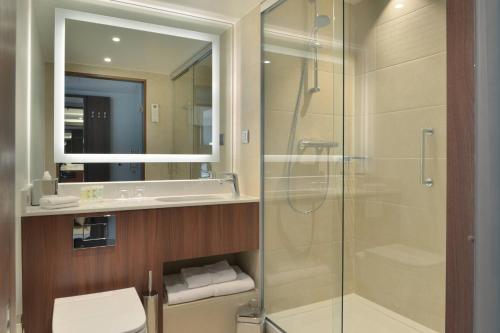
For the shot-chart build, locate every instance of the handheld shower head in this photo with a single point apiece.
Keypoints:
(320, 21)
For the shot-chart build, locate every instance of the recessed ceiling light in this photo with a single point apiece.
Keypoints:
(107, 59)
(116, 39)
(267, 61)
(399, 6)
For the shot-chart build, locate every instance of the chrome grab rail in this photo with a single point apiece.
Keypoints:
(424, 180)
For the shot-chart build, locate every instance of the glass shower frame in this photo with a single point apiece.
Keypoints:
(336, 156)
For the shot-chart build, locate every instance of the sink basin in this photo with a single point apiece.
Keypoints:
(194, 198)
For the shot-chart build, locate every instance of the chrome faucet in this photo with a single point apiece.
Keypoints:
(229, 177)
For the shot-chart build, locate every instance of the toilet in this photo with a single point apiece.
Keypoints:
(116, 311)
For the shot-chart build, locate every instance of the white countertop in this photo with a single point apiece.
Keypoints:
(111, 205)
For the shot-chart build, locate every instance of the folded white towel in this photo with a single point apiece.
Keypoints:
(68, 205)
(178, 292)
(242, 283)
(196, 277)
(221, 272)
(55, 200)
(58, 202)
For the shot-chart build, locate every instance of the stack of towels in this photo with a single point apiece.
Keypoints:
(59, 201)
(197, 283)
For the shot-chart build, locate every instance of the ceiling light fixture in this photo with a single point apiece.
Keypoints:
(107, 59)
(267, 61)
(399, 6)
(116, 39)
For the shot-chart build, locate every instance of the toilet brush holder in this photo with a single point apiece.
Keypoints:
(151, 308)
(150, 300)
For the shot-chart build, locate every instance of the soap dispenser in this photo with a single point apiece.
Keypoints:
(45, 186)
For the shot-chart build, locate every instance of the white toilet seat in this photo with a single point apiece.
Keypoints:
(117, 311)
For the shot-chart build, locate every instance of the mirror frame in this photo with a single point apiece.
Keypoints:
(61, 15)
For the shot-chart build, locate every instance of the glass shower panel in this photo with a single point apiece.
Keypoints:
(302, 157)
(395, 169)
(202, 115)
(183, 138)
(193, 117)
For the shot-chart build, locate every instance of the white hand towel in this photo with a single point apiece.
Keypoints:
(55, 200)
(242, 283)
(58, 201)
(196, 277)
(61, 206)
(178, 292)
(221, 272)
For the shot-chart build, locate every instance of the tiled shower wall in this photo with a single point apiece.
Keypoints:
(399, 88)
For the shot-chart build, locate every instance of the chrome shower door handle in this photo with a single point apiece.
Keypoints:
(424, 180)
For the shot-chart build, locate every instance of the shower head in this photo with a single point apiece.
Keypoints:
(321, 21)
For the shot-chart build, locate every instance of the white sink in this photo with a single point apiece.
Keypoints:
(184, 198)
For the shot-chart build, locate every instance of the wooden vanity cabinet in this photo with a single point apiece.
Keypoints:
(145, 239)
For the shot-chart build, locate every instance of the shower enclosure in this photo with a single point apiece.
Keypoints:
(354, 165)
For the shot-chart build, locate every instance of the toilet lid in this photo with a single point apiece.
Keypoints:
(117, 311)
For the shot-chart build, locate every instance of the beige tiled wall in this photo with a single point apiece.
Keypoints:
(247, 102)
(399, 88)
(246, 116)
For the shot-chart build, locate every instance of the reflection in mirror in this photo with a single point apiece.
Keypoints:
(114, 102)
(129, 91)
(103, 116)
(193, 113)
(106, 115)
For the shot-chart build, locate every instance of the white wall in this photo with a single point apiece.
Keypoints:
(487, 251)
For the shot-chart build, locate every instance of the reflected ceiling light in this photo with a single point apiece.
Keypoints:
(107, 59)
(399, 6)
(267, 61)
(116, 39)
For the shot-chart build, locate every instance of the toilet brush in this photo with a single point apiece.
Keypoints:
(151, 306)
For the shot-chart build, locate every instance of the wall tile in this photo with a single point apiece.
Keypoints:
(419, 34)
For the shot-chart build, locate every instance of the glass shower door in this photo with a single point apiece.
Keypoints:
(354, 165)
(302, 191)
(395, 164)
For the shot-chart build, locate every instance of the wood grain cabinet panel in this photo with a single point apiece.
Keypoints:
(238, 230)
(190, 232)
(195, 232)
(145, 239)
